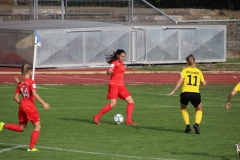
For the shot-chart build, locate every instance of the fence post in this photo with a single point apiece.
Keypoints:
(132, 19)
(34, 10)
(15, 2)
(129, 10)
(237, 32)
(66, 9)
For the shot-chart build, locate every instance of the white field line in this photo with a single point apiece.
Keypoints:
(11, 148)
(225, 98)
(85, 152)
(98, 107)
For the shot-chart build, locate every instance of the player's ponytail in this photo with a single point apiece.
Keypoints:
(112, 57)
(25, 69)
(190, 61)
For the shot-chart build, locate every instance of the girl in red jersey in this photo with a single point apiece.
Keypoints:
(116, 87)
(27, 109)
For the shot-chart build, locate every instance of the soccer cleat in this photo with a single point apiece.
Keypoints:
(237, 150)
(131, 123)
(32, 150)
(196, 127)
(1, 126)
(188, 129)
(96, 120)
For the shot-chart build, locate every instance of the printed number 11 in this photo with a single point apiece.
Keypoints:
(190, 80)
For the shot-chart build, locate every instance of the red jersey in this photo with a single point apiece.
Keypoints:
(25, 88)
(118, 72)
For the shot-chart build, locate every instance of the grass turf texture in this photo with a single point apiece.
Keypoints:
(69, 131)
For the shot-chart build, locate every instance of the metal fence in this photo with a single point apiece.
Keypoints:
(233, 30)
(84, 43)
(114, 11)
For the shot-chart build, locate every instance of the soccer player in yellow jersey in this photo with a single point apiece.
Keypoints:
(234, 91)
(190, 78)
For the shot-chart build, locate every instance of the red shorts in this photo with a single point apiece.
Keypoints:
(28, 112)
(115, 91)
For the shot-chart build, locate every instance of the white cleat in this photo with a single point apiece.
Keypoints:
(237, 146)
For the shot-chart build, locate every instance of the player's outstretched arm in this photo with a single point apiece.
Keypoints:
(110, 71)
(45, 105)
(180, 81)
(229, 99)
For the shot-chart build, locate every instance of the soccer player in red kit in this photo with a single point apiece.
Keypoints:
(116, 88)
(27, 109)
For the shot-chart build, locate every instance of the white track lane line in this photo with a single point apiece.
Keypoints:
(85, 152)
(105, 80)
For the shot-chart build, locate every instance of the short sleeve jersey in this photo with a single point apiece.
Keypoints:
(237, 87)
(118, 73)
(192, 79)
(25, 88)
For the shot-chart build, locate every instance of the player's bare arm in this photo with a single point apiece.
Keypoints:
(229, 99)
(45, 105)
(16, 98)
(180, 81)
(204, 83)
(110, 71)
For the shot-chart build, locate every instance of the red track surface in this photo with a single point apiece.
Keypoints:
(98, 76)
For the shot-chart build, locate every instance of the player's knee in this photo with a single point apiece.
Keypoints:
(22, 129)
(38, 128)
(113, 105)
(131, 101)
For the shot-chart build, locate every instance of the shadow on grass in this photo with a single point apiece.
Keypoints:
(159, 129)
(204, 155)
(91, 121)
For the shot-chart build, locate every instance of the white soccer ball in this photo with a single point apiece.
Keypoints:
(118, 119)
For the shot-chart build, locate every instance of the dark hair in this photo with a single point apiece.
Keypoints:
(112, 57)
(191, 60)
(25, 68)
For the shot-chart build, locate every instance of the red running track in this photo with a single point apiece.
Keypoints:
(149, 78)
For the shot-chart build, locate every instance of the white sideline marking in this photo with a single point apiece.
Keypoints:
(94, 107)
(86, 152)
(11, 148)
(133, 92)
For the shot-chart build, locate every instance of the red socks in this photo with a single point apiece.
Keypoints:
(13, 127)
(108, 107)
(104, 110)
(129, 111)
(34, 138)
(17, 128)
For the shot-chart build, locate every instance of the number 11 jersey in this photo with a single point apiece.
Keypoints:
(192, 78)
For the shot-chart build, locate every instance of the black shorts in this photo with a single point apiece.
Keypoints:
(194, 98)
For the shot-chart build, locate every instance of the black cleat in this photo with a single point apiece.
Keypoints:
(196, 127)
(188, 129)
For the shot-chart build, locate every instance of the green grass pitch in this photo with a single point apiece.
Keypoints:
(68, 131)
